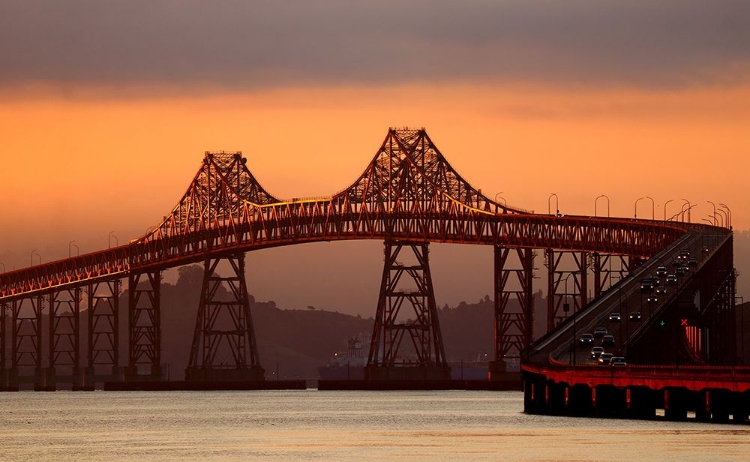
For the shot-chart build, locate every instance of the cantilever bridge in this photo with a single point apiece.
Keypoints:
(408, 196)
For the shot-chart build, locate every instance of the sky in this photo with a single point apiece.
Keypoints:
(106, 110)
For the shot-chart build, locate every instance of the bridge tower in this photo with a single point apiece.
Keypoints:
(64, 338)
(144, 326)
(103, 333)
(224, 347)
(513, 323)
(422, 357)
(560, 305)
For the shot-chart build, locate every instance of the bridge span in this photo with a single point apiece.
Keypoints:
(62, 321)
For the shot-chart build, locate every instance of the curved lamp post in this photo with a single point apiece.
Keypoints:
(665, 208)
(32, 257)
(729, 215)
(635, 212)
(652, 206)
(683, 210)
(597, 199)
(549, 204)
(109, 240)
(714, 215)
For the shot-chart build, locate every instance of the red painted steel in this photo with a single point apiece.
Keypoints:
(395, 322)
(694, 378)
(408, 192)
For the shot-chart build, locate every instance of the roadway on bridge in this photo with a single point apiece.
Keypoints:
(625, 298)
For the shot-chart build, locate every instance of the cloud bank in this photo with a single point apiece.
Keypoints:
(251, 45)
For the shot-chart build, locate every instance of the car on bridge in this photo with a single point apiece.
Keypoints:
(693, 261)
(635, 316)
(596, 351)
(614, 316)
(652, 298)
(672, 280)
(661, 271)
(618, 361)
(586, 339)
(605, 358)
(608, 339)
(661, 290)
(600, 332)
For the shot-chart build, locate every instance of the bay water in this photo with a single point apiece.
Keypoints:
(337, 426)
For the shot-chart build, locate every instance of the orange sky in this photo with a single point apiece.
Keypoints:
(102, 129)
(77, 169)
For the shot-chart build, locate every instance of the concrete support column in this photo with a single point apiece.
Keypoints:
(579, 400)
(675, 403)
(640, 403)
(610, 401)
(555, 398)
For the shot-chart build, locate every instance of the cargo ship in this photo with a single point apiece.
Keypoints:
(350, 364)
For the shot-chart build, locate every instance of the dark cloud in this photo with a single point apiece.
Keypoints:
(246, 45)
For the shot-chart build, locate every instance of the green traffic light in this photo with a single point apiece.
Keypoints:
(662, 323)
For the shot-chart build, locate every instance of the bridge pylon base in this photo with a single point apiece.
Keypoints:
(248, 374)
(640, 403)
(431, 372)
(45, 379)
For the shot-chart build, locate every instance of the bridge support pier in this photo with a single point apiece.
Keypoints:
(609, 401)
(640, 403)
(714, 405)
(513, 327)
(579, 400)
(224, 347)
(675, 403)
(423, 356)
(45, 379)
(144, 327)
(534, 393)
(555, 398)
(558, 306)
(103, 332)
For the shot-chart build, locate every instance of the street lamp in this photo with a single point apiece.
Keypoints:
(714, 206)
(109, 239)
(635, 213)
(729, 215)
(597, 199)
(549, 204)
(32, 257)
(665, 208)
(566, 308)
(652, 206)
(69, 244)
(1, 263)
(682, 212)
(505, 203)
(724, 217)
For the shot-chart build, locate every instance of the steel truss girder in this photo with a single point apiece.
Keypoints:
(104, 323)
(144, 319)
(390, 327)
(409, 192)
(557, 301)
(224, 336)
(513, 326)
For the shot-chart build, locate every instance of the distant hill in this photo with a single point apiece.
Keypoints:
(298, 341)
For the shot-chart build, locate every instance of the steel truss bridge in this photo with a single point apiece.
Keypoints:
(60, 321)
